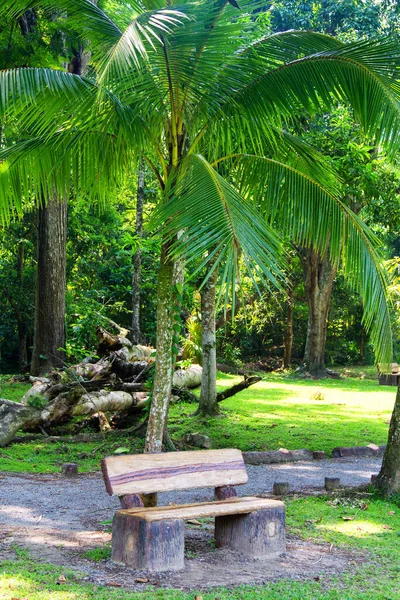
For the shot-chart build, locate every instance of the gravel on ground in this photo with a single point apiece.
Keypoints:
(59, 519)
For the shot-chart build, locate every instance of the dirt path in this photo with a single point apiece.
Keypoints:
(59, 520)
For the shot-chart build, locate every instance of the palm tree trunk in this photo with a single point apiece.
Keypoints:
(164, 361)
(137, 258)
(208, 404)
(388, 480)
(49, 330)
(319, 275)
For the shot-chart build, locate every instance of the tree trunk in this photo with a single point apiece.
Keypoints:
(288, 336)
(137, 258)
(22, 343)
(319, 275)
(49, 335)
(49, 328)
(388, 480)
(21, 324)
(208, 404)
(164, 362)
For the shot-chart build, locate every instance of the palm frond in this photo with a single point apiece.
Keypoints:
(219, 224)
(145, 32)
(89, 163)
(313, 216)
(362, 74)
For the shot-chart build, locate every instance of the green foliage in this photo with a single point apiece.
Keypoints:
(98, 554)
(93, 130)
(37, 401)
(192, 348)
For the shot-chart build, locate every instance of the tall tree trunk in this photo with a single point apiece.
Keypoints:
(319, 275)
(388, 480)
(208, 404)
(21, 324)
(137, 258)
(49, 335)
(22, 344)
(164, 362)
(288, 335)
(49, 328)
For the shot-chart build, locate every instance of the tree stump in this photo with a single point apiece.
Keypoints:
(318, 455)
(149, 545)
(331, 483)
(258, 534)
(69, 470)
(281, 488)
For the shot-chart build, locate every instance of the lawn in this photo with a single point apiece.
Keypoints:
(282, 412)
(373, 532)
(278, 412)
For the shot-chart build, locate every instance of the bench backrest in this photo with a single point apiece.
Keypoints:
(147, 473)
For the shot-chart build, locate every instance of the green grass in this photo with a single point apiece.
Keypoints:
(374, 575)
(283, 412)
(98, 554)
(12, 391)
(278, 412)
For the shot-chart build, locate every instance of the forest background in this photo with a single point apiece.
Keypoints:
(104, 244)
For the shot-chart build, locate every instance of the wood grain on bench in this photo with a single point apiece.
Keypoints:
(232, 506)
(136, 474)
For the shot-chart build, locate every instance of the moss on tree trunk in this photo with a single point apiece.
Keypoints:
(164, 363)
(208, 404)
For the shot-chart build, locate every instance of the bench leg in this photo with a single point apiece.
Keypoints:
(151, 546)
(258, 534)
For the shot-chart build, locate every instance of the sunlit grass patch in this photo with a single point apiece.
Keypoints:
(277, 412)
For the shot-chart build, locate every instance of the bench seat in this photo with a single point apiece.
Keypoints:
(231, 506)
(152, 538)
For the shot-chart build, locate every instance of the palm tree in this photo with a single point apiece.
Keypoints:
(179, 84)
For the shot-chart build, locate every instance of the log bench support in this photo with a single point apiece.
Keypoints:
(151, 538)
(153, 546)
(259, 534)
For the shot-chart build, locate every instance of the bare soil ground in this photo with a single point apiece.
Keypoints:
(59, 520)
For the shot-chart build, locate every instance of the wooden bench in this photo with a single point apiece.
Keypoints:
(152, 539)
(390, 378)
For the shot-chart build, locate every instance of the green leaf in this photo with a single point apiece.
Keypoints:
(122, 450)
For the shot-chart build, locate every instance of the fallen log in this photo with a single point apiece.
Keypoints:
(238, 387)
(188, 378)
(13, 416)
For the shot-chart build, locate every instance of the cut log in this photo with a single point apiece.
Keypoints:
(107, 342)
(102, 401)
(13, 416)
(126, 369)
(188, 378)
(154, 546)
(281, 488)
(258, 534)
(70, 470)
(332, 483)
